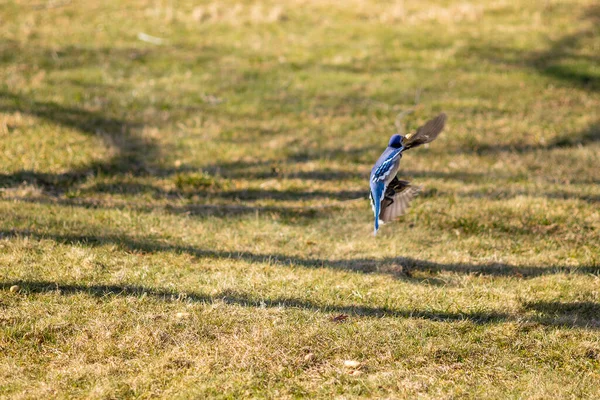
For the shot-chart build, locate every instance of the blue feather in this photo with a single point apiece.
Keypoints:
(377, 191)
(381, 175)
(383, 166)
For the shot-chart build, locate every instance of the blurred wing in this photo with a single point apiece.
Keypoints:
(397, 198)
(426, 133)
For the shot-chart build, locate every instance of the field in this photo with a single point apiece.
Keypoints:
(184, 200)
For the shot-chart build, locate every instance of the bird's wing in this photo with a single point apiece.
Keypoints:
(386, 166)
(426, 133)
(398, 196)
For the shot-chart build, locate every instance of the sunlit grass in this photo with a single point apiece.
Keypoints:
(187, 216)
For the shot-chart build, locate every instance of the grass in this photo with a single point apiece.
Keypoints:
(186, 219)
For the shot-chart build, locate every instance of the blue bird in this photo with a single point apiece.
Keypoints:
(390, 196)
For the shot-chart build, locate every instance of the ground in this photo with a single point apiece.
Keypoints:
(184, 200)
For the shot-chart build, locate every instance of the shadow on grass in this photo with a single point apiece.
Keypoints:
(290, 213)
(498, 194)
(139, 156)
(119, 128)
(136, 155)
(561, 60)
(585, 310)
(287, 169)
(132, 151)
(581, 313)
(247, 195)
(242, 299)
(363, 265)
(590, 135)
(245, 300)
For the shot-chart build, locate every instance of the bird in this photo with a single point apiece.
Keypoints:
(390, 196)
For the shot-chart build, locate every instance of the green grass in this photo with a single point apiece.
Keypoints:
(185, 219)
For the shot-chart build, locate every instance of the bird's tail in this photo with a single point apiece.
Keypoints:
(376, 196)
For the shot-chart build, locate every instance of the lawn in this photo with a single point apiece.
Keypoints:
(184, 200)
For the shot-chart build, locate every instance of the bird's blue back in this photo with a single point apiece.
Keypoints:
(381, 175)
(388, 160)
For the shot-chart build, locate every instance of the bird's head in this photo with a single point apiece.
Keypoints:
(396, 141)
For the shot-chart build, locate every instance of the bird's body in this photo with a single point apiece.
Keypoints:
(390, 197)
(383, 172)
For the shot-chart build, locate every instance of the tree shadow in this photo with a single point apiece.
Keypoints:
(282, 195)
(282, 169)
(288, 169)
(561, 60)
(247, 195)
(498, 194)
(246, 300)
(590, 135)
(135, 154)
(580, 313)
(236, 298)
(132, 151)
(139, 156)
(389, 265)
(288, 213)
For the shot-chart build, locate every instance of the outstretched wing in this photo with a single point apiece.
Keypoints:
(398, 196)
(426, 133)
